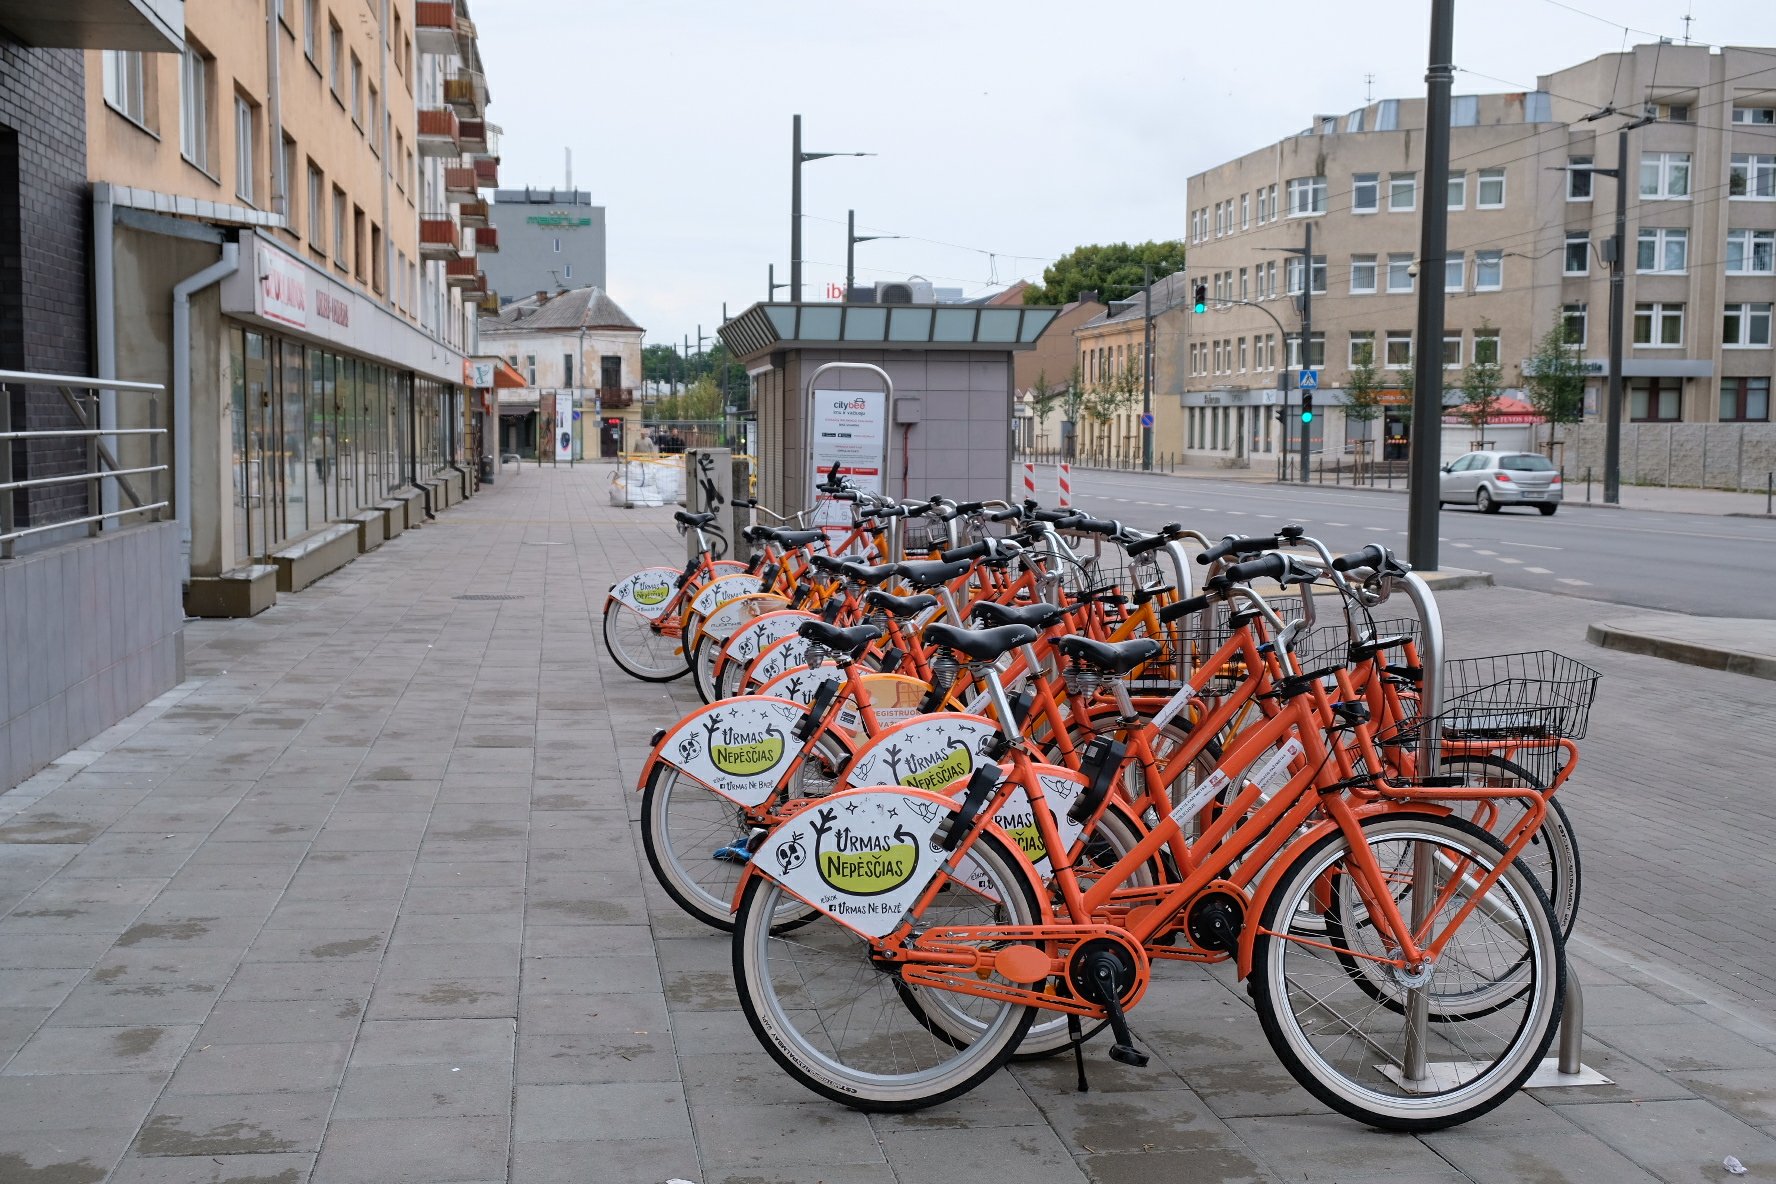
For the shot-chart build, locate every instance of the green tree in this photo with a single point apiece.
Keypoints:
(702, 400)
(1113, 271)
(1481, 386)
(1362, 390)
(1120, 392)
(1555, 379)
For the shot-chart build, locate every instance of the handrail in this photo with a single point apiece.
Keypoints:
(80, 382)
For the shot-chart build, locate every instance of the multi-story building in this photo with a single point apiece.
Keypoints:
(549, 238)
(286, 228)
(1108, 348)
(1529, 214)
(1049, 366)
(578, 343)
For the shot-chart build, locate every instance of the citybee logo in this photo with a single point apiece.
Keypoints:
(858, 405)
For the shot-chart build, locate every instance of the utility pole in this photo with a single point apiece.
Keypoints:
(771, 282)
(798, 158)
(1307, 320)
(1147, 367)
(852, 238)
(1423, 465)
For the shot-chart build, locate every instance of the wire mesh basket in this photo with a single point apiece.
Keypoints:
(920, 537)
(1537, 694)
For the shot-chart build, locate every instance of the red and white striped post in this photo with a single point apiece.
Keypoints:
(1030, 479)
(1066, 485)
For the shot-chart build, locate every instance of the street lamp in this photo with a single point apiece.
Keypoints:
(852, 238)
(797, 159)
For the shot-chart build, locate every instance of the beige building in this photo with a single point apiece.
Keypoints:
(576, 342)
(1047, 366)
(286, 217)
(1108, 356)
(1527, 225)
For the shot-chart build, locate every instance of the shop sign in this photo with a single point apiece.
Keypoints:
(282, 288)
(478, 374)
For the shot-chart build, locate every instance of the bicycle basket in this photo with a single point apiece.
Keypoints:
(1539, 694)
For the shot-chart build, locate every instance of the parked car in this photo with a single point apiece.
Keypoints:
(1490, 481)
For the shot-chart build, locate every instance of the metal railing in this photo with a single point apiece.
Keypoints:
(105, 477)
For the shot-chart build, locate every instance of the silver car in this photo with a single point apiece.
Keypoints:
(1489, 481)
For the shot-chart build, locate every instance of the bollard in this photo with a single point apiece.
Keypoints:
(1769, 490)
(1587, 482)
(1066, 483)
(1030, 480)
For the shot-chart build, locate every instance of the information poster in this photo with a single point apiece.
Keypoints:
(564, 426)
(849, 429)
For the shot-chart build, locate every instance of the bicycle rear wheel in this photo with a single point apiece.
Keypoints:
(642, 651)
(838, 1020)
(1553, 853)
(1349, 1047)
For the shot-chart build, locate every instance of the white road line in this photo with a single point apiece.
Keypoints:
(1382, 529)
(1464, 545)
(1540, 571)
(1486, 553)
(1535, 546)
(1234, 513)
(1337, 524)
(1267, 515)
(1505, 558)
(1577, 583)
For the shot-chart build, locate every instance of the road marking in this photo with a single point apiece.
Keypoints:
(1488, 554)
(1383, 529)
(1502, 558)
(1577, 583)
(1536, 546)
(1463, 545)
(1235, 513)
(1540, 571)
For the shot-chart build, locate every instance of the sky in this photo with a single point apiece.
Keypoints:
(1006, 132)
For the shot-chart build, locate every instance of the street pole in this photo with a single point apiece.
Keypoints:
(1147, 368)
(1612, 431)
(771, 284)
(850, 253)
(1307, 318)
(1422, 510)
(795, 213)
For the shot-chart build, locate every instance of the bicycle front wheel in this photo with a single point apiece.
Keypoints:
(641, 650)
(842, 1023)
(1344, 1031)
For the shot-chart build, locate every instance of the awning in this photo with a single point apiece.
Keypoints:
(485, 372)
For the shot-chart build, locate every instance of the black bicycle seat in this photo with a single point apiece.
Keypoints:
(798, 538)
(1116, 657)
(685, 519)
(1036, 616)
(900, 606)
(871, 576)
(929, 573)
(983, 645)
(839, 639)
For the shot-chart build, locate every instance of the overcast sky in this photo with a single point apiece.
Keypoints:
(1007, 131)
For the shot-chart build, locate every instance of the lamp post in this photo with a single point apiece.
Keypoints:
(797, 159)
(1306, 252)
(1426, 448)
(852, 238)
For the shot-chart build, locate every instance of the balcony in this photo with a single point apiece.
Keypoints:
(487, 240)
(439, 132)
(487, 172)
(610, 397)
(464, 273)
(434, 26)
(474, 212)
(459, 183)
(439, 238)
(148, 26)
(467, 93)
(474, 136)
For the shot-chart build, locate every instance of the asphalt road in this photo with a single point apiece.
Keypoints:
(1690, 563)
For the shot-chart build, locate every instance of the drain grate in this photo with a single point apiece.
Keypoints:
(489, 596)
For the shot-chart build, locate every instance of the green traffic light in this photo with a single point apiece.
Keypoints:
(1202, 307)
(1307, 417)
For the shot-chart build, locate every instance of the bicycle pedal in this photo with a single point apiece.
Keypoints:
(1129, 1056)
(734, 854)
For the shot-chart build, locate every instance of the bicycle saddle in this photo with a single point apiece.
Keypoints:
(1116, 657)
(900, 606)
(929, 573)
(840, 640)
(1036, 616)
(795, 538)
(869, 575)
(983, 645)
(685, 519)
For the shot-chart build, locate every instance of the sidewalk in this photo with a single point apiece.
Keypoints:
(363, 903)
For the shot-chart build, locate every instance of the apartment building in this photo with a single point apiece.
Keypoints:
(551, 238)
(287, 215)
(1111, 375)
(1529, 214)
(579, 343)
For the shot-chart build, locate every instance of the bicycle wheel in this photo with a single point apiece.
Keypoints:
(692, 836)
(1553, 852)
(642, 651)
(1347, 1047)
(836, 1019)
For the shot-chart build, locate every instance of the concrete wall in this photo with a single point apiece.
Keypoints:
(91, 631)
(1708, 455)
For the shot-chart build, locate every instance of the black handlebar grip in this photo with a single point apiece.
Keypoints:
(1146, 545)
(1183, 608)
(1273, 565)
(845, 495)
(1095, 526)
(968, 551)
(1371, 556)
(1051, 515)
(1004, 515)
(1230, 545)
(971, 507)
(916, 511)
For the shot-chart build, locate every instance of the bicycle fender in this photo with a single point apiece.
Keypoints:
(739, 748)
(928, 752)
(748, 642)
(647, 591)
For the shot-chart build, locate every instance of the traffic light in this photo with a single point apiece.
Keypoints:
(1202, 298)
(1307, 406)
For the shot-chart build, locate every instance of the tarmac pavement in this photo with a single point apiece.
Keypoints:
(363, 901)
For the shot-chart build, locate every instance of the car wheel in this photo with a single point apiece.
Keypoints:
(1547, 511)
(1484, 503)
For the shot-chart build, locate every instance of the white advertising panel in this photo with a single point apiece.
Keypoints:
(564, 426)
(849, 429)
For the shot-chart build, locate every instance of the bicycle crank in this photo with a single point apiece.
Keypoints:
(1110, 973)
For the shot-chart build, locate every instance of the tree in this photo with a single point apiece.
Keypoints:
(1481, 386)
(1554, 378)
(1044, 398)
(702, 400)
(1112, 271)
(1072, 407)
(1118, 393)
(1362, 390)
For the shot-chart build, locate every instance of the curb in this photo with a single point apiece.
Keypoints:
(1614, 637)
(1452, 579)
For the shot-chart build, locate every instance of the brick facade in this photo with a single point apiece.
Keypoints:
(44, 216)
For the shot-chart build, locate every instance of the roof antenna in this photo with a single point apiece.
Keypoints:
(1368, 88)
(1687, 19)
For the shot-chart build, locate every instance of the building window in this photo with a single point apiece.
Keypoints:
(1243, 289)
(1402, 192)
(1293, 273)
(1486, 347)
(357, 90)
(1663, 249)
(1578, 178)
(1242, 353)
(1275, 209)
(291, 216)
(530, 369)
(245, 144)
(1572, 323)
(317, 207)
(1245, 210)
(1354, 121)
(1307, 195)
(1755, 116)
(1452, 351)
(336, 56)
(358, 250)
(1752, 176)
(1491, 192)
(558, 246)
(375, 107)
(1399, 273)
(1745, 400)
(1489, 271)
(1665, 174)
(1316, 351)
(1455, 272)
(339, 228)
(126, 84)
(1675, 112)
(1398, 351)
(1746, 326)
(1362, 348)
(1362, 274)
(1655, 400)
(1578, 254)
(1365, 193)
(1458, 191)
(1464, 110)
(311, 29)
(378, 280)
(1751, 252)
(1658, 326)
(194, 106)
(1387, 115)
(1217, 355)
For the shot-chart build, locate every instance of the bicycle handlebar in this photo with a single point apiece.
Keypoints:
(1234, 545)
(1167, 533)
